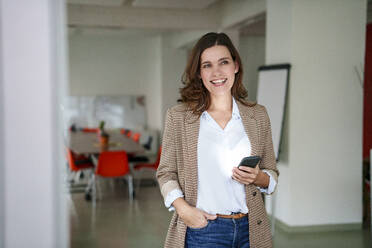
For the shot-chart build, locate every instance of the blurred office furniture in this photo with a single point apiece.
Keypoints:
(147, 145)
(77, 164)
(136, 137)
(141, 167)
(111, 164)
(128, 133)
(90, 130)
(88, 143)
(141, 158)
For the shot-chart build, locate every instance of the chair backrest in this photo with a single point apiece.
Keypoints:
(128, 133)
(112, 164)
(136, 137)
(71, 160)
(158, 158)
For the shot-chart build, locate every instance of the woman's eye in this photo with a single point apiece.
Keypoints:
(224, 62)
(206, 65)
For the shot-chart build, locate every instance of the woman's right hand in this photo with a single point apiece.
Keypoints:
(192, 216)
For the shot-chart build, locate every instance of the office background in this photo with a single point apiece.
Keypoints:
(41, 62)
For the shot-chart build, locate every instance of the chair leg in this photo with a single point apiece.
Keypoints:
(130, 186)
(77, 176)
(89, 188)
(94, 190)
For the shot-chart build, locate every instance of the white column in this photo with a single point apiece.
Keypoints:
(32, 50)
(321, 172)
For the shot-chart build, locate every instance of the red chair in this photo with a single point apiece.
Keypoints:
(128, 133)
(141, 167)
(111, 164)
(77, 163)
(90, 130)
(136, 137)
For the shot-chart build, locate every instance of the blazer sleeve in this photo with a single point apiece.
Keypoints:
(268, 161)
(167, 173)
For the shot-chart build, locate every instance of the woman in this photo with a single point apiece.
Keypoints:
(205, 138)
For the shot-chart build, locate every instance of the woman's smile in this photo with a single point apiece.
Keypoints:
(218, 82)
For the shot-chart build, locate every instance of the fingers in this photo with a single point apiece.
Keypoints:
(210, 216)
(195, 218)
(246, 176)
(247, 169)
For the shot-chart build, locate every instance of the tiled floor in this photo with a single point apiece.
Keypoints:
(115, 222)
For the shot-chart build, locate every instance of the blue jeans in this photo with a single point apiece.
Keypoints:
(221, 232)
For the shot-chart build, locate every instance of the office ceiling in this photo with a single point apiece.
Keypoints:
(164, 4)
(133, 17)
(173, 4)
(111, 3)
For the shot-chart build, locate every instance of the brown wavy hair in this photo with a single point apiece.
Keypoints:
(194, 94)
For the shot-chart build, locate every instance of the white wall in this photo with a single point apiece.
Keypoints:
(2, 148)
(278, 50)
(252, 53)
(321, 178)
(117, 65)
(30, 55)
(173, 65)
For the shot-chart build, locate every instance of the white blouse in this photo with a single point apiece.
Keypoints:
(219, 150)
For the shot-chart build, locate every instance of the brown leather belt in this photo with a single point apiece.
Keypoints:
(232, 216)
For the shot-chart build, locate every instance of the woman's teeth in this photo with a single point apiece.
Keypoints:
(219, 81)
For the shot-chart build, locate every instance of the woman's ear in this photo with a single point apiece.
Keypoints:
(236, 67)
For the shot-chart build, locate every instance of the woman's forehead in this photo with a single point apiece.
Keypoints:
(215, 53)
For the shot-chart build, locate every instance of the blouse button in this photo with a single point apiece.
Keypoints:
(254, 193)
(259, 222)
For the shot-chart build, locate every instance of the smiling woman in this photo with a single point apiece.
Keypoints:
(204, 62)
(205, 137)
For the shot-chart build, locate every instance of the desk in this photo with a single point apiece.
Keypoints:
(88, 143)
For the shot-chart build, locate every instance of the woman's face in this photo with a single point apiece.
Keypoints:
(217, 70)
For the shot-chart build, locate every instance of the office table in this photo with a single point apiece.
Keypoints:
(88, 143)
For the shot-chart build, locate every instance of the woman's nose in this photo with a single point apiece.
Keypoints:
(216, 71)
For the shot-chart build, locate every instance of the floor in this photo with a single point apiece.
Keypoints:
(117, 222)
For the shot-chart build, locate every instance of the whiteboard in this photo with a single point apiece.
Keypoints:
(271, 93)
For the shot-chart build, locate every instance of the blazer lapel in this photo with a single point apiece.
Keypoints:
(192, 124)
(250, 126)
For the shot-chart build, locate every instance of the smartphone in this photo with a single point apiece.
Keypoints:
(250, 161)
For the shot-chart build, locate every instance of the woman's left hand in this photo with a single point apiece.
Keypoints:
(247, 175)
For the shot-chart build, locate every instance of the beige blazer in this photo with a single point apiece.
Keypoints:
(178, 168)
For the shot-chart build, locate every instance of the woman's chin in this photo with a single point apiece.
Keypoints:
(220, 91)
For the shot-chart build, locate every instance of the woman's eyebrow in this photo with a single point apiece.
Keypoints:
(224, 58)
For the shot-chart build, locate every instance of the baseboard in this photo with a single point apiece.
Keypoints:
(318, 228)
